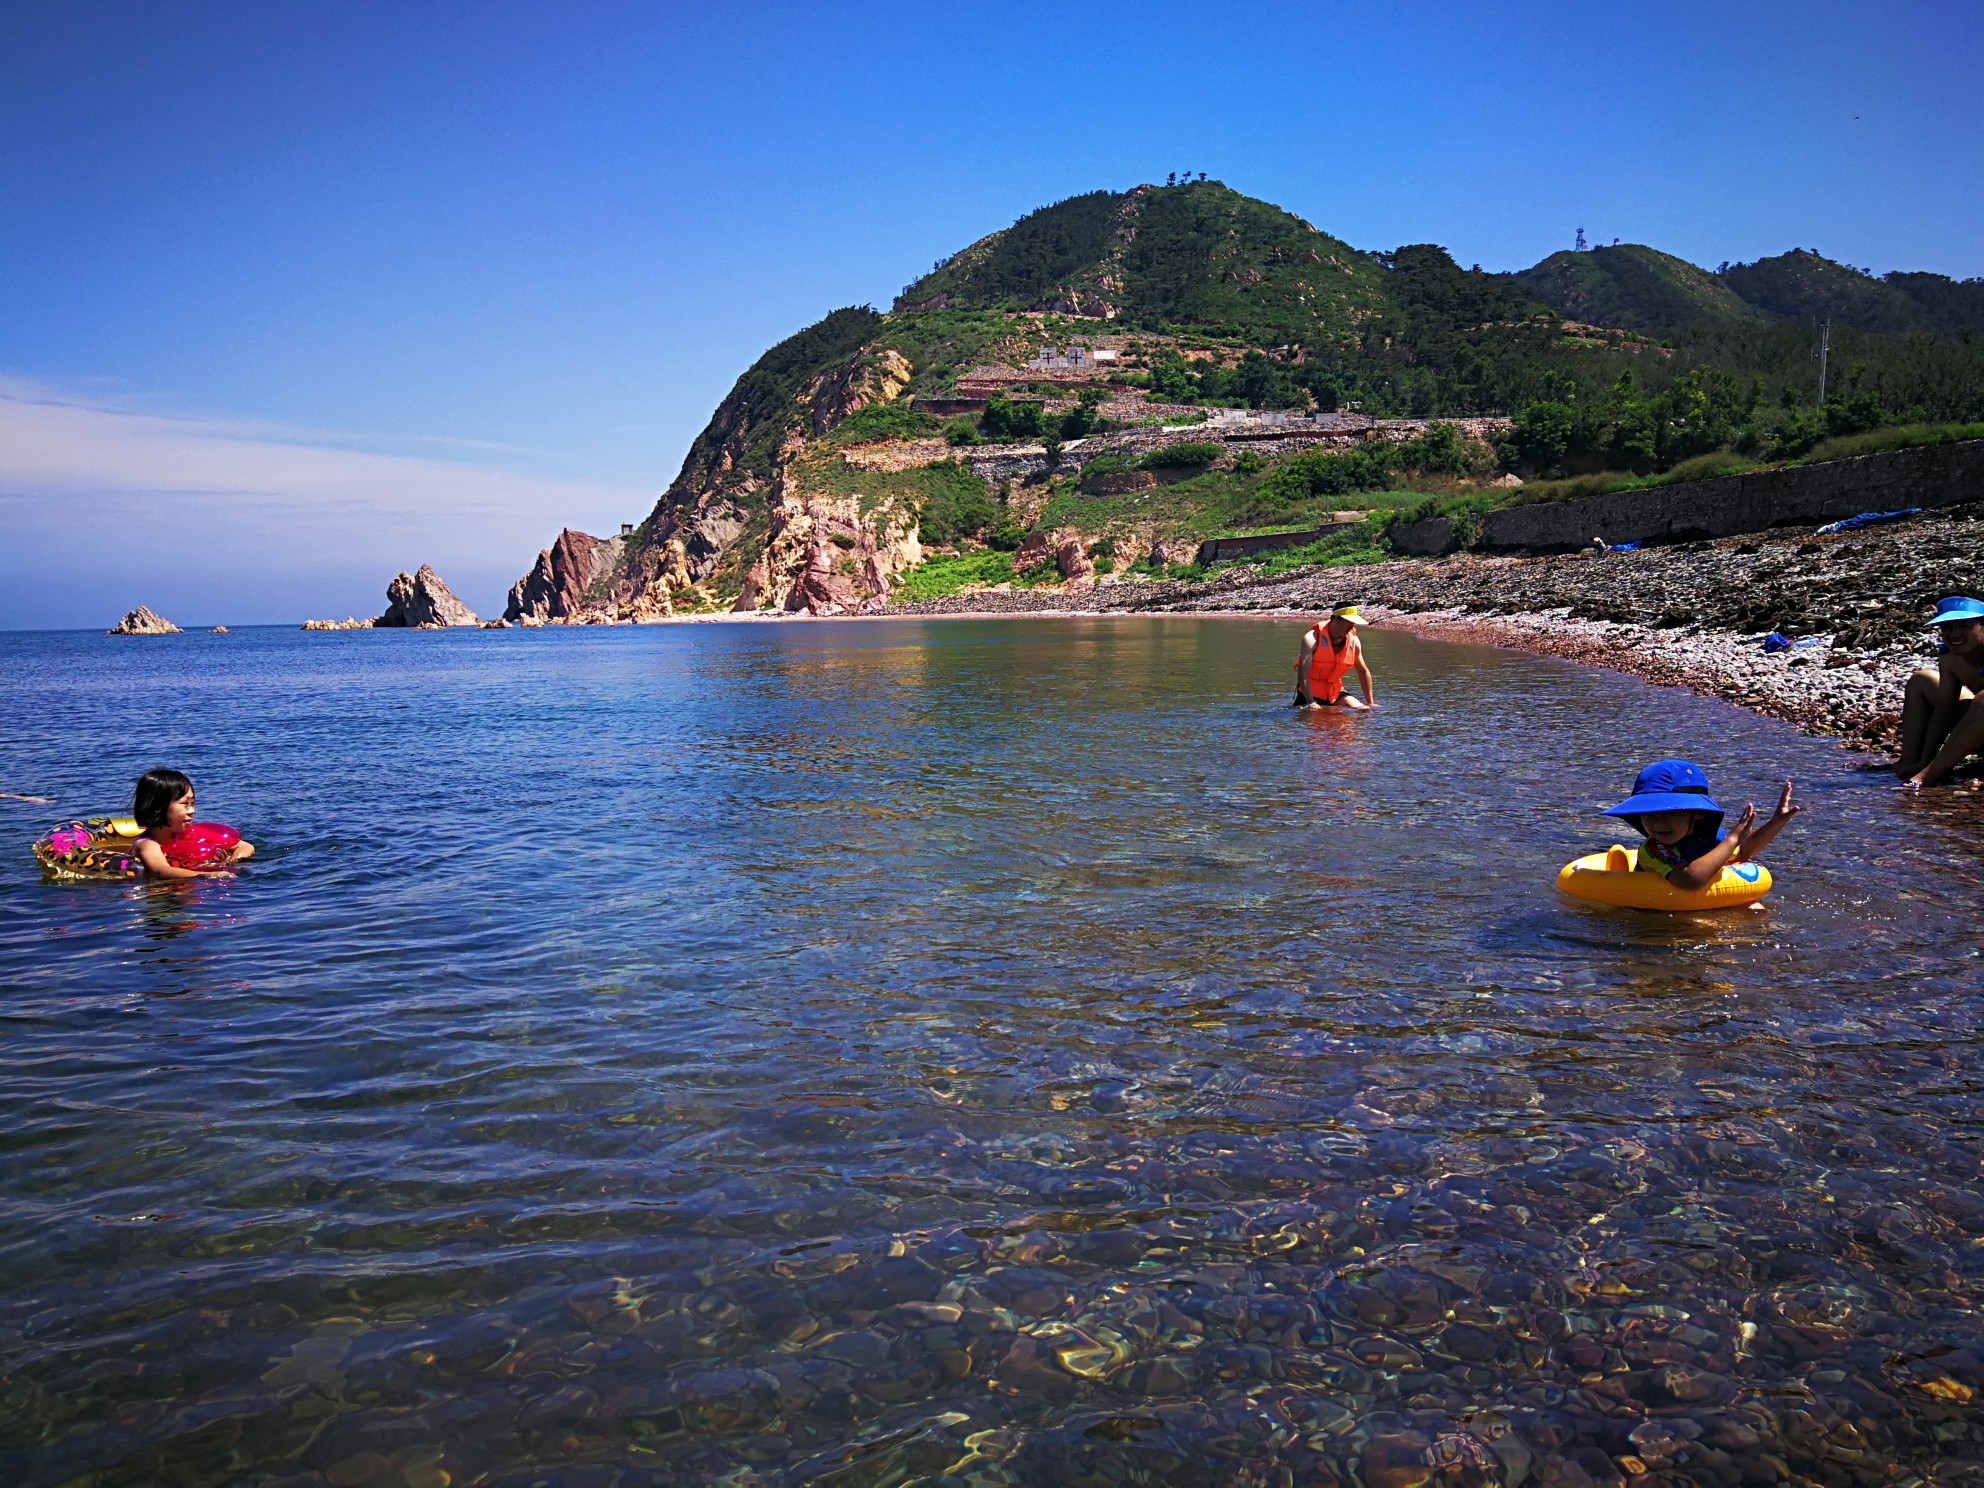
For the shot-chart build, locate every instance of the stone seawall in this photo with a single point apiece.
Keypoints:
(1931, 476)
(1429, 537)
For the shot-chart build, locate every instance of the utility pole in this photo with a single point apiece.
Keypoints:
(1825, 351)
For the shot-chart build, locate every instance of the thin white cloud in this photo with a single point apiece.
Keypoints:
(284, 508)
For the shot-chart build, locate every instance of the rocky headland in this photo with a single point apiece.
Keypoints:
(1691, 615)
(142, 621)
(1120, 376)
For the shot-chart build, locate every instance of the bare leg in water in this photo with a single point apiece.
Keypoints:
(1965, 739)
(1931, 704)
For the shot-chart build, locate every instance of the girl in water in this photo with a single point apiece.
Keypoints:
(173, 845)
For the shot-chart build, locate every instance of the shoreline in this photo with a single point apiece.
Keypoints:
(1692, 615)
(1828, 697)
(1821, 691)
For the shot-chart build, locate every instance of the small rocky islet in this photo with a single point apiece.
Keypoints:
(142, 621)
(420, 600)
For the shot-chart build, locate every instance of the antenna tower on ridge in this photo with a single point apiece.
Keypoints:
(1578, 247)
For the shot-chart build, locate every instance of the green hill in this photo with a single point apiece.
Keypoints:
(1199, 254)
(1955, 306)
(1801, 285)
(821, 473)
(1634, 288)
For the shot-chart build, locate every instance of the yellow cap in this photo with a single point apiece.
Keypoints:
(1348, 612)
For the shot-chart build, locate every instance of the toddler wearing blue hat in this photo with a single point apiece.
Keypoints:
(1671, 808)
(1940, 726)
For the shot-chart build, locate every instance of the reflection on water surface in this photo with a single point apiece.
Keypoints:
(966, 1052)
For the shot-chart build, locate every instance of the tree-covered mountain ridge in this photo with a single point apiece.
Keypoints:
(1017, 395)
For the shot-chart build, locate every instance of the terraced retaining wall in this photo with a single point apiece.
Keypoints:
(1215, 548)
(1930, 476)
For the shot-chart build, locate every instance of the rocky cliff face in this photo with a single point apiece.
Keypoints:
(825, 556)
(737, 520)
(566, 574)
(879, 377)
(421, 601)
(142, 621)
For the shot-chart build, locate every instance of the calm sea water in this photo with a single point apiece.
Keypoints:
(964, 1052)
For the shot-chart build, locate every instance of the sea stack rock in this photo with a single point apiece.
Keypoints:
(421, 601)
(142, 621)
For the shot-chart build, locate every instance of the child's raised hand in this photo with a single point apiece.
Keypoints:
(1746, 821)
(1785, 810)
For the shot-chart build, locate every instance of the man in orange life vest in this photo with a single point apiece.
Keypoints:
(1331, 650)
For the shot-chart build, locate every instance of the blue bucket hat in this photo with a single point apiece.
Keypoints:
(1957, 608)
(1668, 785)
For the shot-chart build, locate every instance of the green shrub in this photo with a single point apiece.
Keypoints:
(957, 506)
(1085, 417)
(1439, 451)
(1467, 513)
(1354, 542)
(879, 421)
(941, 575)
(1707, 467)
(961, 432)
(1365, 468)
(1183, 456)
(1853, 413)
(1573, 488)
(1005, 419)
(1005, 534)
(1170, 378)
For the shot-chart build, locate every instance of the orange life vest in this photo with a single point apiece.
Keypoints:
(1328, 664)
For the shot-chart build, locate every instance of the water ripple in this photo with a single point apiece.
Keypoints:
(965, 1052)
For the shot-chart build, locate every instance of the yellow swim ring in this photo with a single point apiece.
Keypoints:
(1610, 878)
(93, 849)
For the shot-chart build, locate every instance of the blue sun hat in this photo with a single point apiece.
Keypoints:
(1957, 608)
(1668, 785)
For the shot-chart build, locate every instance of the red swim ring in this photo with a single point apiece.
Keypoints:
(198, 845)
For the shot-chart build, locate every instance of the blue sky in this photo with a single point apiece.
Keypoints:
(303, 294)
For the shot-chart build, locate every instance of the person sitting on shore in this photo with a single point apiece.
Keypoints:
(1671, 809)
(173, 845)
(1940, 724)
(1331, 650)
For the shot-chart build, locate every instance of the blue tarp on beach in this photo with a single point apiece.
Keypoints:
(1869, 519)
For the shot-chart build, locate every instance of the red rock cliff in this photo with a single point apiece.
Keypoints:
(566, 576)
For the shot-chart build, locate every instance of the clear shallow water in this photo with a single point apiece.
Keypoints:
(963, 1052)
